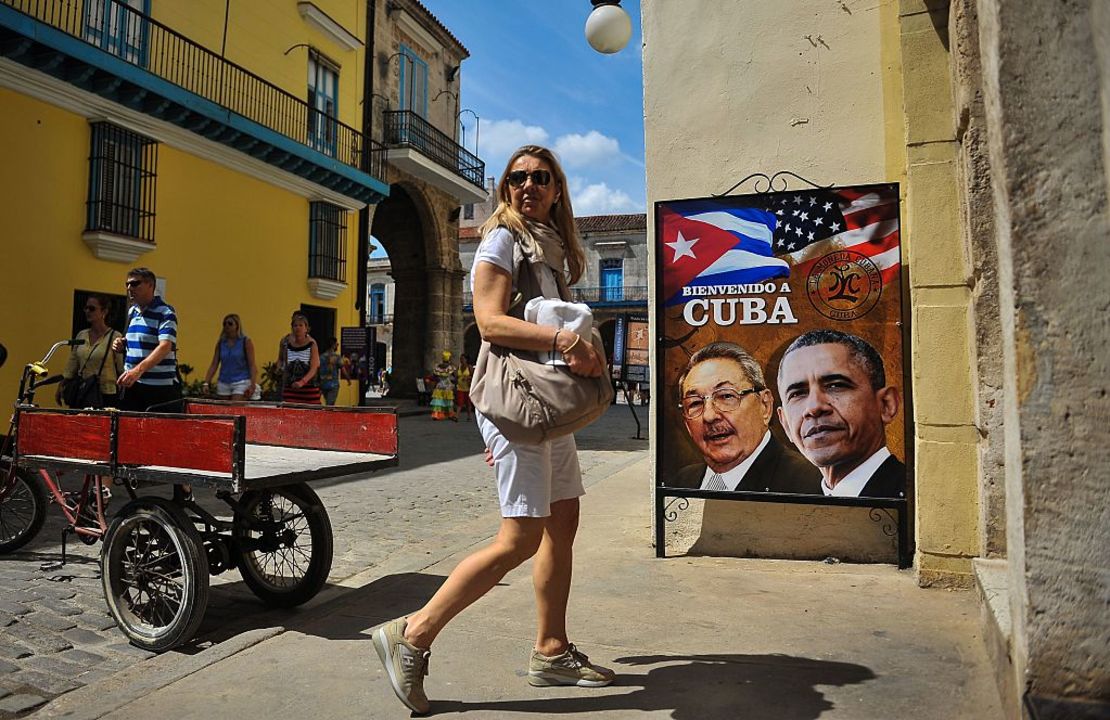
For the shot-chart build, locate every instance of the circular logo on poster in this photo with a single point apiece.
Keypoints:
(844, 285)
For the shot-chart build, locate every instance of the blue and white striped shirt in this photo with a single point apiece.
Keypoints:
(145, 329)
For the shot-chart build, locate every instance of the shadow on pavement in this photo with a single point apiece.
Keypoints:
(701, 687)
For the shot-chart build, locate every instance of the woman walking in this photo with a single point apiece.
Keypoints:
(299, 360)
(234, 356)
(93, 358)
(538, 485)
(443, 396)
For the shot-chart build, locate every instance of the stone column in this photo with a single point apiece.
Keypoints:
(443, 313)
(946, 441)
(1042, 81)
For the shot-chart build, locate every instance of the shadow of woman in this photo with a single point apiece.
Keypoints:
(702, 687)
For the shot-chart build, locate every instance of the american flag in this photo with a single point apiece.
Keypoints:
(862, 219)
(731, 241)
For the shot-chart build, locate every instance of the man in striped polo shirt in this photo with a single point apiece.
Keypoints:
(150, 362)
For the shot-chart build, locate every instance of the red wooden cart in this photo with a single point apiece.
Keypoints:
(158, 552)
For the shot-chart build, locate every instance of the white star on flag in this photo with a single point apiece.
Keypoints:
(682, 248)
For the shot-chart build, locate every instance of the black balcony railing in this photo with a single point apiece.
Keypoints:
(373, 318)
(596, 295)
(407, 129)
(144, 42)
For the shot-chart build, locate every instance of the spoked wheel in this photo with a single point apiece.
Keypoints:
(155, 574)
(22, 507)
(283, 544)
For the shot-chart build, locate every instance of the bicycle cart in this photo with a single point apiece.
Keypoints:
(158, 552)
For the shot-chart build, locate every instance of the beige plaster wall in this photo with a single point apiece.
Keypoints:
(942, 321)
(732, 88)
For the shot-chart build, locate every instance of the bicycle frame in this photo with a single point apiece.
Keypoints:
(75, 511)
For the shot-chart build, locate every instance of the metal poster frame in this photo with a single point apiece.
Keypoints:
(893, 514)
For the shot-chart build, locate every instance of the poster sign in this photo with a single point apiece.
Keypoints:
(636, 357)
(780, 344)
(356, 346)
(620, 328)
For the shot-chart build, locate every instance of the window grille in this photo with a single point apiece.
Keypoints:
(122, 175)
(327, 242)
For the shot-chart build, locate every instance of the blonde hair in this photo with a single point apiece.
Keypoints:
(562, 215)
(238, 325)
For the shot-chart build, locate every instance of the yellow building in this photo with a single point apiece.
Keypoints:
(223, 145)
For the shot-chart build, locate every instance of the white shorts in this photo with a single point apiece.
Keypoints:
(531, 477)
(236, 388)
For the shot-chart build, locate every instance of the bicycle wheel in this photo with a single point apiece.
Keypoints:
(283, 544)
(155, 574)
(22, 508)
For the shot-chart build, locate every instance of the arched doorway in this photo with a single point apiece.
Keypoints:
(399, 226)
(472, 342)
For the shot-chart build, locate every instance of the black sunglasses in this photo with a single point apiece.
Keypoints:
(519, 177)
(133, 283)
(91, 308)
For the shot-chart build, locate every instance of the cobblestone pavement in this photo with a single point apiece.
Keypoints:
(55, 631)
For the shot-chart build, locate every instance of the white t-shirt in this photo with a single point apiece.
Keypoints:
(497, 248)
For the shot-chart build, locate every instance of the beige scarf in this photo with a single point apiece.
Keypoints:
(543, 244)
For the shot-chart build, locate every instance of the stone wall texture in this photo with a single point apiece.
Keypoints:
(1045, 92)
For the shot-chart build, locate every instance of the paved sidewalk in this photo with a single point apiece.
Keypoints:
(55, 631)
(690, 637)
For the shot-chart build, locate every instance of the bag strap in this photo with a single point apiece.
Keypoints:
(107, 349)
(81, 372)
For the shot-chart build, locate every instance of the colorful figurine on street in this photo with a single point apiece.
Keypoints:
(443, 397)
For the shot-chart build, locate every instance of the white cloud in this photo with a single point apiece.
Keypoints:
(589, 150)
(600, 199)
(501, 137)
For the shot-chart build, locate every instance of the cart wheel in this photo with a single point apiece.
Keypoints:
(22, 508)
(155, 574)
(283, 544)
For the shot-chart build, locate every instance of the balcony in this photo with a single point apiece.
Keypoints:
(632, 295)
(132, 68)
(417, 147)
(379, 318)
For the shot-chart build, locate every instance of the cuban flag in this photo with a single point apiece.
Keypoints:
(708, 243)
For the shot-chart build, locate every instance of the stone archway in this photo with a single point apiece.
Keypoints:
(400, 226)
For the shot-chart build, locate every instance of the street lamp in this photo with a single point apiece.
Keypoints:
(477, 127)
(608, 27)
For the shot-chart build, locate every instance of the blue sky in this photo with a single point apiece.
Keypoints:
(532, 77)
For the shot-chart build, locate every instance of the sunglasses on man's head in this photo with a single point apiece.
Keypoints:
(539, 177)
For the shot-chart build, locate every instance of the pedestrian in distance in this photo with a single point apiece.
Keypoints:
(329, 373)
(538, 485)
(234, 357)
(299, 361)
(94, 358)
(149, 379)
(462, 387)
(443, 396)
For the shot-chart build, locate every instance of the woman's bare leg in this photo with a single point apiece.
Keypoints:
(516, 541)
(551, 575)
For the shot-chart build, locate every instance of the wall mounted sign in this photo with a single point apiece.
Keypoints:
(780, 349)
